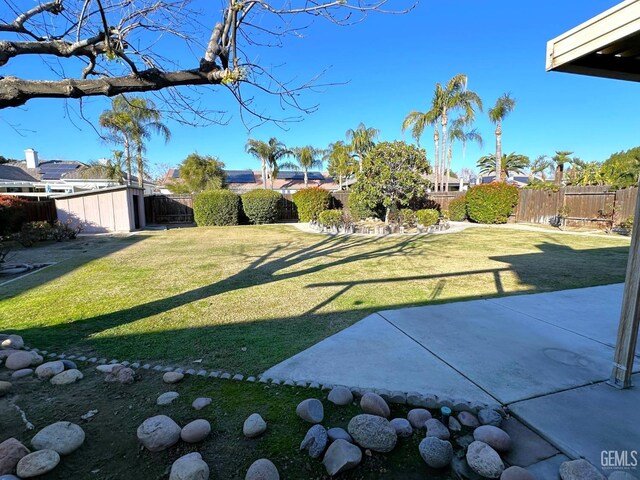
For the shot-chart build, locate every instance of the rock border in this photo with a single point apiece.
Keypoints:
(413, 399)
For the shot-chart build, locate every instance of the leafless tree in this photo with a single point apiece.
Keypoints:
(124, 46)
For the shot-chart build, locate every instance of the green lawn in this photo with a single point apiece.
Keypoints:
(244, 298)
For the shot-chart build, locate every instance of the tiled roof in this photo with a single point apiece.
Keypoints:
(49, 169)
(13, 173)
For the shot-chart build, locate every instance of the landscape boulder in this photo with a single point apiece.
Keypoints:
(254, 426)
(340, 396)
(436, 453)
(310, 410)
(374, 404)
(19, 360)
(158, 433)
(315, 441)
(341, 456)
(402, 427)
(336, 433)
(172, 377)
(262, 469)
(496, 438)
(517, 473)
(435, 428)
(201, 402)
(189, 467)
(25, 372)
(489, 416)
(67, 377)
(37, 463)
(579, 470)
(373, 432)
(63, 437)
(418, 417)
(11, 451)
(14, 342)
(196, 431)
(49, 369)
(166, 398)
(468, 419)
(484, 460)
(121, 374)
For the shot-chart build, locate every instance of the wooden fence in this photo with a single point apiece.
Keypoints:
(580, 206)
(41, 211)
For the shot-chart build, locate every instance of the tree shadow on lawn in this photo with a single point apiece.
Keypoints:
(274, 339)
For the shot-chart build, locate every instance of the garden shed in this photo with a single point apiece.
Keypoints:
(113, 209)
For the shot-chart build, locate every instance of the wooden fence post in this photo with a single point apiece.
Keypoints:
(630, 315)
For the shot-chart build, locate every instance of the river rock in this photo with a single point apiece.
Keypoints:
(63, 437)
(518, 473)
(158, 433)
(340, 396)
(341, 455)
(488, 416)
(435, 428)
(49, 369)
(19, 360)
(336, 433)
(37, 463)
(4, 354)
(374, 404)
(254, 426)
(418, 417)
(11, 451)
(108, 368)
(484, 460)
(311, 410)
(189, 467)
(67, 377)
(69, 365)
(14, 342)
(496, 438)
(468, 419)
(315, 441)
(166, 398)
(196, 431)
(373, 432)
(121, 374)
(4, 388)
(200, 403)
(25, 372)
(172, 377)
(262, 469)
(435, 452)
(579, 470)
(402, 427)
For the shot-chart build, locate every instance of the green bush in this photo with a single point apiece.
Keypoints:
(407, 218)
(262, 206)
(331, 218)
(359, 208)
(216, 207)
(427, 217)
(458, 209)
(627, 223)
(310, 202)
(491, 203)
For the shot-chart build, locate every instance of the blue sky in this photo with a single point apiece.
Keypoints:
(390, 65)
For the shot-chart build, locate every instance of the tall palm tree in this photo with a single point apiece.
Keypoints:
(512, 163)
(453, 96)
(131, 121)
(270, 154)
(305, 159)
(362, 140)
(503, 107)
(539, 166)
(460, 134)
(558, 161)
(341, 163)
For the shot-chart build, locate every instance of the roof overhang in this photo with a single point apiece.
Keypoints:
(607, 45)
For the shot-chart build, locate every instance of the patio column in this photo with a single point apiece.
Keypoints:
(630, 315)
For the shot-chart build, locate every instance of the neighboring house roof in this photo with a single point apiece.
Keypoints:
(13, 173)
(94, 173)
(516, 179)
(450, 180)
(49, 169)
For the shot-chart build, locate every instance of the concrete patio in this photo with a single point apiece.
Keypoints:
(545, 356)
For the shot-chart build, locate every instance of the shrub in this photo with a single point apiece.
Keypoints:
(458, 209)
(262, 206)
(216, 207)
(427, 217)
(33, 232)
(627, 223)
(12, 213)
(491, 203)
(359, 208)
(331, 218)
(310, 202)
(68, 230)
(407, 218)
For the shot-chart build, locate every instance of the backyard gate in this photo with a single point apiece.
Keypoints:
(169, 209)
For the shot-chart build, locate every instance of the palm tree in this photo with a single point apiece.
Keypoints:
(512, 163)
(558, 161)
(269, 153)
(305, 159)
(539, 166)
(454, 95)
(458, 133)
(504, 105)
(131, 121)
(341, 164)
(362, 140)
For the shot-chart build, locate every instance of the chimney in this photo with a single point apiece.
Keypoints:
(32, 158)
